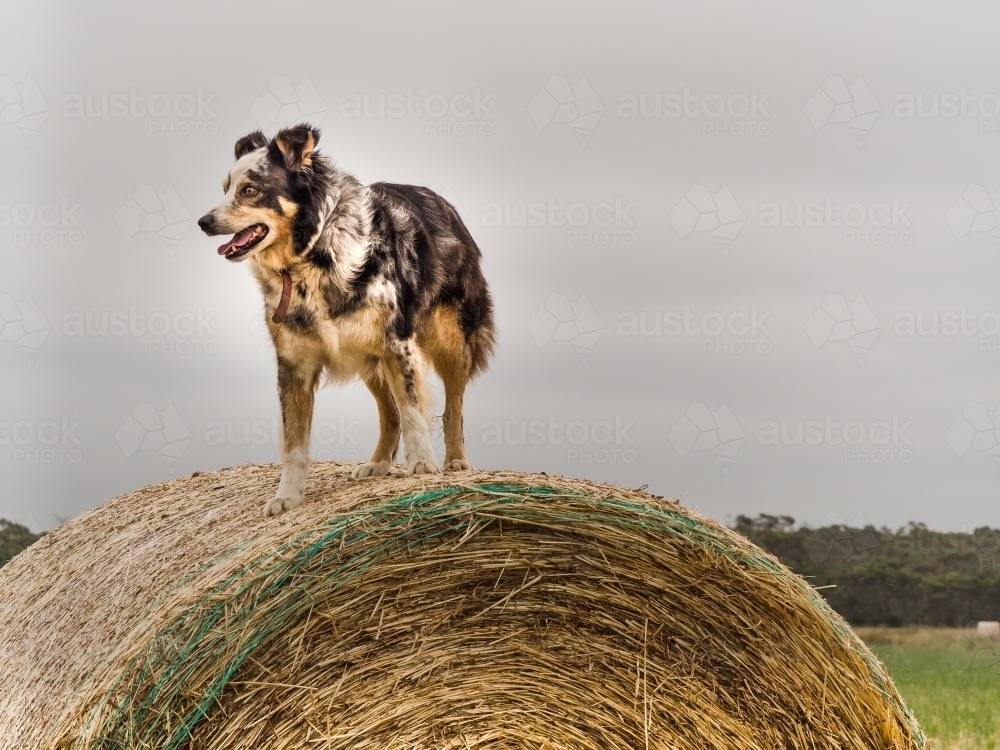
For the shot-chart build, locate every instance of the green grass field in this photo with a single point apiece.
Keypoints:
(949, 678)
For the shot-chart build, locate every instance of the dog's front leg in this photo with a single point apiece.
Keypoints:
(405, 373)
(297, 385)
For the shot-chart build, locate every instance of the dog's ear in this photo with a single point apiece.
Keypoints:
(250, 142)
(295, 146)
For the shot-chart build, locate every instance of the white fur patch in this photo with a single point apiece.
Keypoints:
(291, 488)
(236, 174)
(417, 441)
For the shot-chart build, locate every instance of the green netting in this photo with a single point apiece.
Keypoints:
(150, 704)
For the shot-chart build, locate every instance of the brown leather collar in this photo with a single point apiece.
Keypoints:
(286, 297)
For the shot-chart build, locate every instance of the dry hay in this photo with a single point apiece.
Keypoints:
(466, 610)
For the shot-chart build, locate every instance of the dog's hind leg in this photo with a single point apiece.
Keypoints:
(388, 435)
(445, 344)
(405, 373)
(454, 436)
(297, 385)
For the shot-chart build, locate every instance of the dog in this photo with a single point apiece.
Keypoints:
(373, 281)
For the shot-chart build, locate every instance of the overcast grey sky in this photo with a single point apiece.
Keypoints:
(741, 253)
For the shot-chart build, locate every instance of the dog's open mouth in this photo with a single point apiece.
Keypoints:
(243, 242)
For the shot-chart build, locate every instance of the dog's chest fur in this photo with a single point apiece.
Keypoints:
(331, 320)
(346, 343)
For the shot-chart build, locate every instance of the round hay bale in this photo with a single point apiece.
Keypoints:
(466, 610)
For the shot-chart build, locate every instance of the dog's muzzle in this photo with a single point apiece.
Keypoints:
(207, 224)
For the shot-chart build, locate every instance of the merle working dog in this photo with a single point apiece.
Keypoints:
(371, 281)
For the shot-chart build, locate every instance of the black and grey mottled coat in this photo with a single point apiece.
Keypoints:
(385, 280)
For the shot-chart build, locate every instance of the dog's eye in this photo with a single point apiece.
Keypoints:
(249, 192)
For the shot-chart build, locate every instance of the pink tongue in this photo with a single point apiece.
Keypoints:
(238, 240)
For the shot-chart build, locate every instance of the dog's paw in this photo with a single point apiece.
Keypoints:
(372, 469)
(423, 467)
(278, 505)
(457, 464)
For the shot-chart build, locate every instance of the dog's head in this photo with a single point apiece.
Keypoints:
(269, 193)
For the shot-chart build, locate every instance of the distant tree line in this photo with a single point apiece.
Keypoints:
(910, 576)
(13, 539)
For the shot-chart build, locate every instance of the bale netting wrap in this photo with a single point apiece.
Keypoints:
(464, 610)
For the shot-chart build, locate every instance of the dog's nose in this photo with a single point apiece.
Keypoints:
(205, 222)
